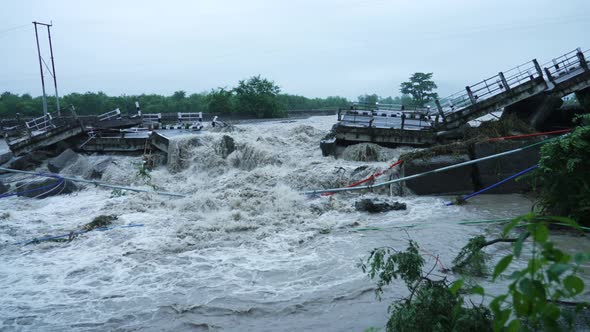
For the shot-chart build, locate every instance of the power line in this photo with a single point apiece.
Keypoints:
(47, 66)
(14, 28)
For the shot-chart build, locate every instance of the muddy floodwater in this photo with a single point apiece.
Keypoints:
(243, 251)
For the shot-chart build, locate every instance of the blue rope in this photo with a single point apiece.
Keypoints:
(74, 233)
(52, 186)
(496, 184)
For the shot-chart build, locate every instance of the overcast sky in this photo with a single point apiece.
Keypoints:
(315, 48)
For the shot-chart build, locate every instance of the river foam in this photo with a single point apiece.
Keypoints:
(244, 250)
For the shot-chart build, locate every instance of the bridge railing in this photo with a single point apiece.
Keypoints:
(40, 124)
(151, 117)
(504, 81)
(408, 120)
(487, 88)
(189, 117)
(110, 115)
(387, 107)
(521, 74)
(563, 65)
(491, 87)
(455, 102)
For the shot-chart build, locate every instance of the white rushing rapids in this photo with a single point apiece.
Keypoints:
(244, 250)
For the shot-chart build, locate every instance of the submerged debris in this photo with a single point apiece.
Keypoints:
(362, 152)
(100, 221)
(66, 158)
(4, 188)
(45, 188)
(371, 206)
(226, 146)
(459, 200)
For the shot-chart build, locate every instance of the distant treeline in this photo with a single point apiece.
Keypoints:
(99, 102)
(252, 97)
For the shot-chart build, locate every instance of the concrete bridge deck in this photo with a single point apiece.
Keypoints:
(561, 76)
(44, 133)
(392, 124)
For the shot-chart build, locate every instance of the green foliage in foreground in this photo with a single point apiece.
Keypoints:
(530, 303)
(551, 275)
(472, 260)
(563, 176)
(433, 305)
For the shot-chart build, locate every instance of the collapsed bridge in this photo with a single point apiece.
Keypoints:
(528, 85)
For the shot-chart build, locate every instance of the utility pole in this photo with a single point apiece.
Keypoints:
(52, 68)
(41, 69)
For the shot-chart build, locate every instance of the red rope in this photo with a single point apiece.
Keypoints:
(530, 135)
(442, 266)
(372, 177)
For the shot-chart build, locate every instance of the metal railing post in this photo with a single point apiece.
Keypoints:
(549, 76)
(504, 82)
(582, 59)
(403, 120)
(440, 110)
(470, 94)
(538, 67)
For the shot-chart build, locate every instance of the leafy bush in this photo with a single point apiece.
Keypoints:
(563, 179)
(531, 302)
(550, 276)
(433, 305)
(472, 260)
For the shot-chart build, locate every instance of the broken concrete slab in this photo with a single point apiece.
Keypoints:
(45, 188)
(25, 162)
(227, 145)
(454, 181)
(375, 206)
(4, 188)
(60, 162)
(5, 157)
(98, 169)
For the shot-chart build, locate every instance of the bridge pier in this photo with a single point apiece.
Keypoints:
(583, 97)
(534, 110)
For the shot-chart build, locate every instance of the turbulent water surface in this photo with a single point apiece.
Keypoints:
(243, 251)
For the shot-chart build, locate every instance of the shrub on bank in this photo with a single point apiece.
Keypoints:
(563, 176)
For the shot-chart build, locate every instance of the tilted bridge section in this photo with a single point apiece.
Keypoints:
(396, 125)
(561, 76)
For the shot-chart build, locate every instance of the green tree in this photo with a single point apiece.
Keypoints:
(179, 102)
(3, 109)
(258, 96)
(295, 102)
(368, 99)
(404, 100)
(421, 88)
(220, 101)
(179, 95)
(197, 102)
